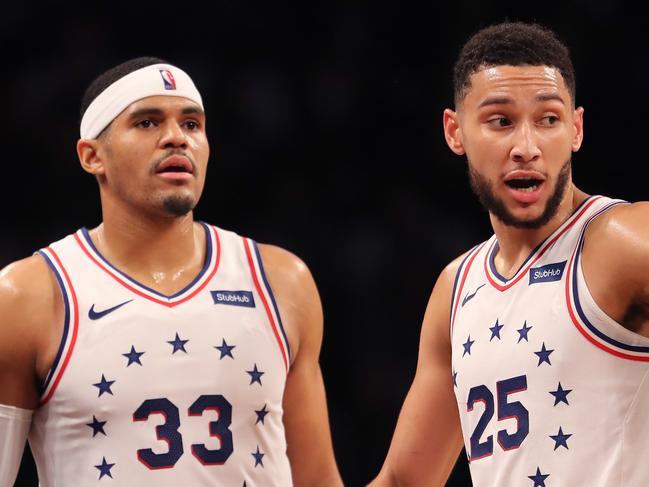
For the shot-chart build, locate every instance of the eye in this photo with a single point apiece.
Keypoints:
(145, 124)
(549, 120)
(499, 122)
(191, 124)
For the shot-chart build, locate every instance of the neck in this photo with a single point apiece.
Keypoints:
(152, 248)
(517, 243)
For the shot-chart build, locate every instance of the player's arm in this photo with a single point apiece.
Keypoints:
(428, 438)
(24, 288)
(306, 421)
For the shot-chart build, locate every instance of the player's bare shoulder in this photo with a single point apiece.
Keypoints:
(295, 291)
(28, 291)
(450, 271)
(29, 307)
(443, 290)
(615, 262)
(621, 235)
(435, 326)
(284, 267)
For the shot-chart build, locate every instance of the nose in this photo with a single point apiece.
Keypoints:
(173, 135)
(525, 146)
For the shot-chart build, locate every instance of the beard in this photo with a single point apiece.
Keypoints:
(178, 205)
(496, 206)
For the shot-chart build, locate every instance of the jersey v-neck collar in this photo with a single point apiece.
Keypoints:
(210, 266)
(502, 283)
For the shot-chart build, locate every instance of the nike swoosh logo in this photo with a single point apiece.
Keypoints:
(95, 315)
(469, 297)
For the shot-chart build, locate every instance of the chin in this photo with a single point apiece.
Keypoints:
(528, 218)
(178, 205)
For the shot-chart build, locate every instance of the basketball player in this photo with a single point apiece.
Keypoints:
(155, 349)
(534, 347)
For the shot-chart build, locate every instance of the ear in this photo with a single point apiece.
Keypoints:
(579, 129)
(89, 156)
(452, 132)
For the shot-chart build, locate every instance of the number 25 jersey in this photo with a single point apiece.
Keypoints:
(149, 389)
(551, 391)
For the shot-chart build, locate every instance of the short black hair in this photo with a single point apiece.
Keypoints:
(104, 80)
(513, 44)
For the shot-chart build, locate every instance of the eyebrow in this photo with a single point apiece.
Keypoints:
(151, 111)
(504, 100)
(550, 97)
(496, 100)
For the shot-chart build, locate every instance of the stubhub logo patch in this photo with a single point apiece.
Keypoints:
(547, 273)
(235, 298)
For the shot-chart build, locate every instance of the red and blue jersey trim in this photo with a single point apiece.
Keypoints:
(70, 324)
(503, 284)
(585, 326)
(210, 267)
(460, 279)
(267, 298)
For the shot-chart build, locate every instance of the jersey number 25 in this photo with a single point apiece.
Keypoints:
(506, 410)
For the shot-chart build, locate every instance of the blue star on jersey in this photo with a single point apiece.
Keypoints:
(178, 344)
(467, 346)
(186, 416)
(560, 439)
(544, 355)
(561, 395)
(523, 332)
(225, 349)
(495, 331)
(255, 375)
(104, 468)
(97, 426)
(133, 356)
(538, 478)
(261, 414)
(514, 391)
(258, 457)
(104, 385)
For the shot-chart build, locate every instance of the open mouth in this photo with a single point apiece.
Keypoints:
(526, 185)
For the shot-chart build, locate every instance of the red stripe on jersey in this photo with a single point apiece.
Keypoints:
(265, 301)
(75, 328)
(461, 286)
(581, 329)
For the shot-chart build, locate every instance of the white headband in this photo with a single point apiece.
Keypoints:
(156, 79)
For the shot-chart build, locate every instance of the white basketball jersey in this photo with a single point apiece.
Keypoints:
(551, 391)
(148, 389)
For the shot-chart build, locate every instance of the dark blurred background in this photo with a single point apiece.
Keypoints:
(325, 126)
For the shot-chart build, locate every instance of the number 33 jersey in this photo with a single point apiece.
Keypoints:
(551, 391)
(148, 389)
